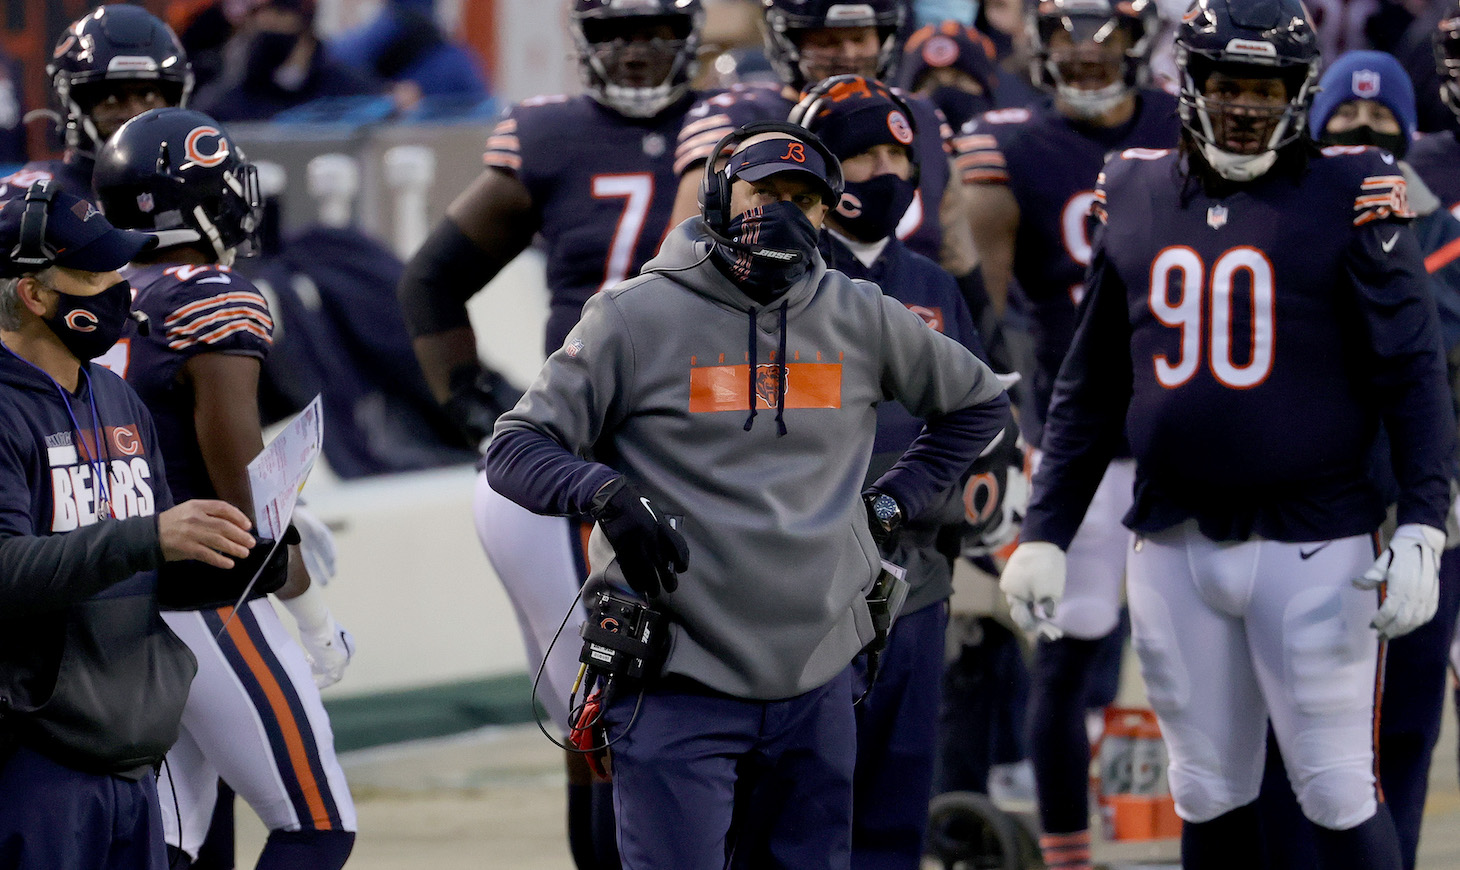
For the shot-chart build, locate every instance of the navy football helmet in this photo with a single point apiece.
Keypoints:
(786, 21)
(177, 174)
(1447, 57)
(1245, 39)
(113, 44)
(636, 77)
(1092, 27)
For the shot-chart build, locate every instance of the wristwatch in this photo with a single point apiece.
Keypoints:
(885, 510)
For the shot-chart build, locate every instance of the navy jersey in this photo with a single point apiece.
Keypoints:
(1436, 157)
(1049, 163)
(715, 116)
(54, 478)
(1250, 346)
(933, 295)
(192, 310)
(72, 175)
(603, 186)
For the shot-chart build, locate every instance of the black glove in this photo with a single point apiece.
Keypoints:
(649, 550)
(995, 496)
(479, 396)
(884, 517)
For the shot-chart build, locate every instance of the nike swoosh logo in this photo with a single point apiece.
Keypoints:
(1305, 555)
(1389, 245)
(645, 502)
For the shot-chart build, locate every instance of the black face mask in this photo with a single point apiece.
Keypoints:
(89, 325)
(959, 106)
(1394, 143)
(870, 210)
(780, 227)
(265, 54)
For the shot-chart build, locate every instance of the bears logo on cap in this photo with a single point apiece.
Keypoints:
(901, 130)
(940, 51)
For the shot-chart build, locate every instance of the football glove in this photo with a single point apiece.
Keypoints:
(651, 553)
(327, 645)
(1409, 570)
(995, 497)
(1033, 581)
(479, 396)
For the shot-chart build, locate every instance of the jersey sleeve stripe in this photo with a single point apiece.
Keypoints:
(187, 311)
(502, 160)
(696, 127)
(221, 333)
(223, 315)
(985, 176)
(697, 148)
(976, 142)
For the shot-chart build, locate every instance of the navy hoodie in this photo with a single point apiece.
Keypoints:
(89, 673)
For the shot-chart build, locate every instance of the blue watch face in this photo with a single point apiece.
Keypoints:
(885, 507)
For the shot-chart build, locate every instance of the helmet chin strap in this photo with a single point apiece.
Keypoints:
(1090, 105)
(1237, 167)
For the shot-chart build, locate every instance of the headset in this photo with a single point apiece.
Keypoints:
(813, 100)
(32, 249)
(715, 188)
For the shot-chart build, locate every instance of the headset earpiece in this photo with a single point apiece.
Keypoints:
(32, 249)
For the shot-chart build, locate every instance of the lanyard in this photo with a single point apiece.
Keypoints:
(93, 455)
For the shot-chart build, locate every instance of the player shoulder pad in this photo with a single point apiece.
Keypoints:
(978, 155)
(713, 117)
(19, 181)
(1015, 115)
(211, 307)
(524, 120)
(1382, 191)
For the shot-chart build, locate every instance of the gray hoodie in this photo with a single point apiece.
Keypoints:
(653, 384)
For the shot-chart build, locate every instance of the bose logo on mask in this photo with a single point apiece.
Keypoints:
(784, 256)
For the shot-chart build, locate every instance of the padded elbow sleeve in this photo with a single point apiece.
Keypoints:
(447, 271)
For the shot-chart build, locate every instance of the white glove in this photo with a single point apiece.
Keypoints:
(327, 645)
(1409, 569)
(1033, 581)
(316, 545)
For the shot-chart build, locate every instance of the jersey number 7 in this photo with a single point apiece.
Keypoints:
(637, 191)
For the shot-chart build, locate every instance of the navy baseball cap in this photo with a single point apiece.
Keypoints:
(780, 152)
(76, 235)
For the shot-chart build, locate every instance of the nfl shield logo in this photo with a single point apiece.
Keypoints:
(1366, 84)
(144, 203)
(1217, 217)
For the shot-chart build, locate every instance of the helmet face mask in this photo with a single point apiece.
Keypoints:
(102, 53)
(1091, 53)
(637, 59)
(807, 41)
(1447, 59)
(1249, 69)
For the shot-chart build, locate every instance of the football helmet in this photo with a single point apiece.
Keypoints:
(787, 20)
(612, 62)
(177, 174)
(1245, 39)
(110, 44)
(1447, 57)
(1092, 27)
